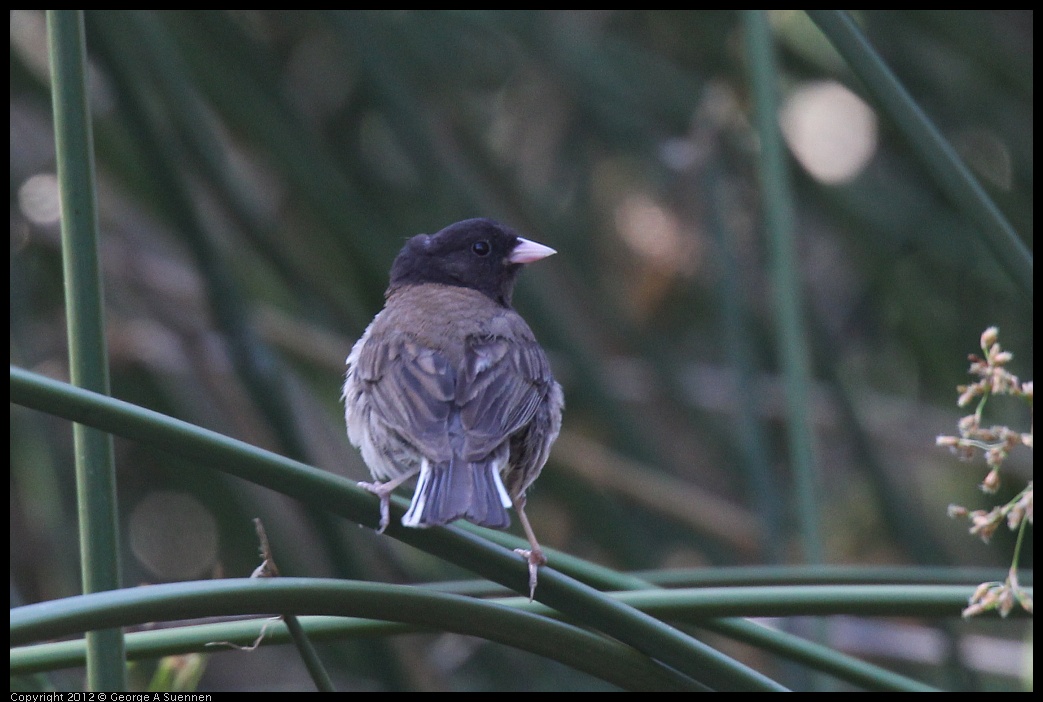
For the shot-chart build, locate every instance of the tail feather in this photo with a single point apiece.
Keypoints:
(459, 490)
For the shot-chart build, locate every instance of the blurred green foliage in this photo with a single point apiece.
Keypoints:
(260, 169)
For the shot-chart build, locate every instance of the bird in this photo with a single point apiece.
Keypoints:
(449, 384)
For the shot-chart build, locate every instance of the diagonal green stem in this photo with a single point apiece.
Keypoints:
(937, 155)
(585, 604)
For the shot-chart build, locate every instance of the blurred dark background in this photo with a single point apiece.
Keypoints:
(258, 171)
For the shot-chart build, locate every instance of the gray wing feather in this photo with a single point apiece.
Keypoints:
(500, 390)
(412, 389)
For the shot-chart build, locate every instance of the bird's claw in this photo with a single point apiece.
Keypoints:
(380, 491)
(535, 558)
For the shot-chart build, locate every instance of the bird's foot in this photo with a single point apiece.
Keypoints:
(535, 558)
(382, 491)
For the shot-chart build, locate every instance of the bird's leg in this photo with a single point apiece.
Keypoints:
(535, 556)
(383, 491)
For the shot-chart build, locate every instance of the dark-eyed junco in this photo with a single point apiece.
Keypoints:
(448, 382)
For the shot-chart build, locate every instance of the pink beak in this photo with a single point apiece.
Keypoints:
(526, 251)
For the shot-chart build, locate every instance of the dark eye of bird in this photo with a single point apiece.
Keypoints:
(481, 248)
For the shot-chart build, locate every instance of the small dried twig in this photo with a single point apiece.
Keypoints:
(267, 569)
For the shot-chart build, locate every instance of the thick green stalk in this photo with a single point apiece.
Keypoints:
(778, 221)
(88, 362)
